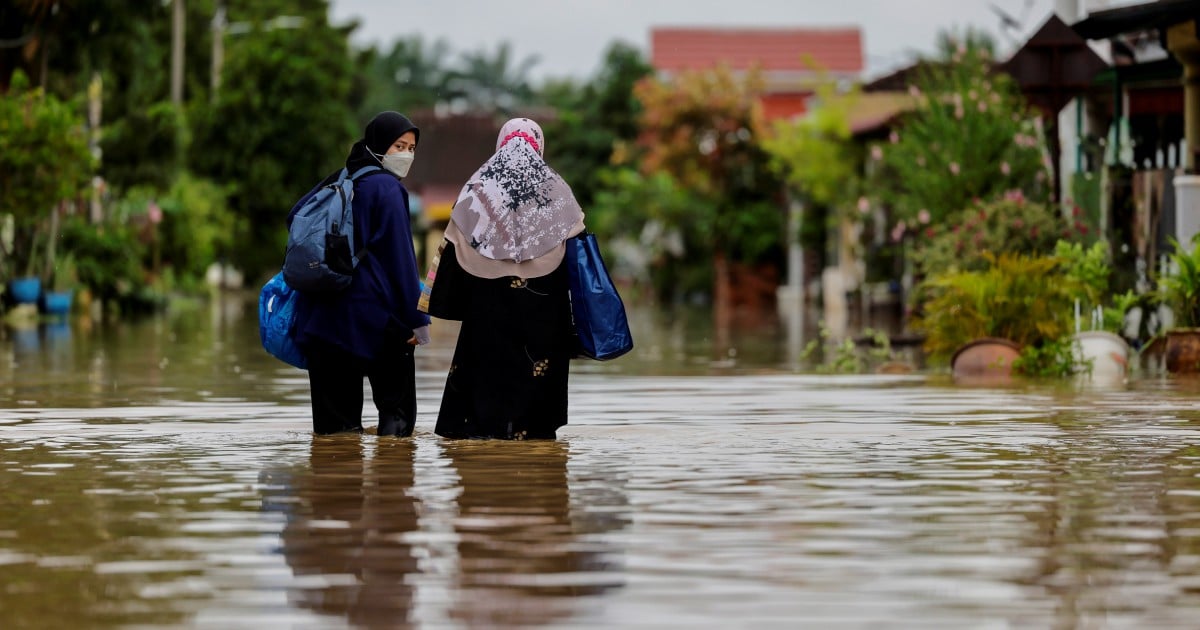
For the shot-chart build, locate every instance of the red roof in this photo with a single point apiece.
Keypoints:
(771, 49)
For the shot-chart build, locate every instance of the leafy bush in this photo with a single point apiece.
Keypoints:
(198, 228)
(1026, 299)
(44, 159)
(1183, 287)
(107, 258)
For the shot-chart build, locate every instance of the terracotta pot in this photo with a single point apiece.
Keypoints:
(985, 360)
(1107, 352)
(1183, 350)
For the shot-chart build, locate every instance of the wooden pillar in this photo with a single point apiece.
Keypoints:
(1183, 43)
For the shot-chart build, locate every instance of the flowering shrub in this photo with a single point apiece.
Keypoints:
(1009, 224)
(970, 136)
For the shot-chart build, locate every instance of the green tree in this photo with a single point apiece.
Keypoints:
(491, 82)
(412, 75)
(813, 154)
(970, 137)
(44, 159)
(281, 122)
(594, 119)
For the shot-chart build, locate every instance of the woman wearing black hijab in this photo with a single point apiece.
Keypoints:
(372, 327)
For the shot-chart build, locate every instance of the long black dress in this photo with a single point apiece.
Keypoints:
(508, 378)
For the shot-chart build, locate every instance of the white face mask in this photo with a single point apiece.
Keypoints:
(398, 163)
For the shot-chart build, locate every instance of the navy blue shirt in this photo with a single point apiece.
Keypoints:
(382, 297)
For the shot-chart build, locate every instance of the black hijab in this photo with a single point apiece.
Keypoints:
(377, 138)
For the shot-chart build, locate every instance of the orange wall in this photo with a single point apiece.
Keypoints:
(777, 106)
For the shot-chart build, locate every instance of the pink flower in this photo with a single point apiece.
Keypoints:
(876, 153)
(893, 137)
(954, 168)
(898, 231)
(1005, 168)
(923, 216)
(914, 91)
(864, 205)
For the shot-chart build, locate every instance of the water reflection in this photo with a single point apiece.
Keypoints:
(521, 561)
(348, 523)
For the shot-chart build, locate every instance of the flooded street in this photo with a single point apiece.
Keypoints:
(163, 473)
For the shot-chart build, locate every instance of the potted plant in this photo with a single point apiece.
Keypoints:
(57, 300)
(1098, 350)
(1012, 316)
(1181, 292)
(44, 158)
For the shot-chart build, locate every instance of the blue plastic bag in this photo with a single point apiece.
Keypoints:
(276, 313)
(596, 307)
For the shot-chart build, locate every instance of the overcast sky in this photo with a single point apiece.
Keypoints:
(570, 36)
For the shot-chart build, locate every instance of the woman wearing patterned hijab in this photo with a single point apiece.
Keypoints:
(501, 272)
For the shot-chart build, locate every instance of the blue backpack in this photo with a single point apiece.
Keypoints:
(320, 255)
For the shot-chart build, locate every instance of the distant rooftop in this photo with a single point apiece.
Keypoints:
(787, 50)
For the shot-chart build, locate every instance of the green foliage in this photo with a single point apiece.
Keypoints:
(1087, 268)
(847, 357)
(44, 159)
(412, 75)
(595, 119)
(670, 225)
(198, 227)
(1183, 286)
(281, 122)
(813, 153)
(108, 259)
(1053, 358)
(1026, 299)
(1008, 224)
(143, 148)
(488, 82)
(969, 138)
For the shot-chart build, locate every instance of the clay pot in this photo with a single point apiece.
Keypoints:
(987, 360)
(1183, 350)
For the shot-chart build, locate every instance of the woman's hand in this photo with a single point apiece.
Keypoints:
(420, 336)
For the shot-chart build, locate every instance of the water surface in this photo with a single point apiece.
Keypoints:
(163, 474)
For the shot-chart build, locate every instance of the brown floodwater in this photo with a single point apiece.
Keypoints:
(162, 473)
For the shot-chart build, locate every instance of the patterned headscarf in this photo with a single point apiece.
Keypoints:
(515, 207)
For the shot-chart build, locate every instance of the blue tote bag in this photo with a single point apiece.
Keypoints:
(276, 313)
(596, 308)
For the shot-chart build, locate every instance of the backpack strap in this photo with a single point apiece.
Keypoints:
(363, 171)
(362, 252)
